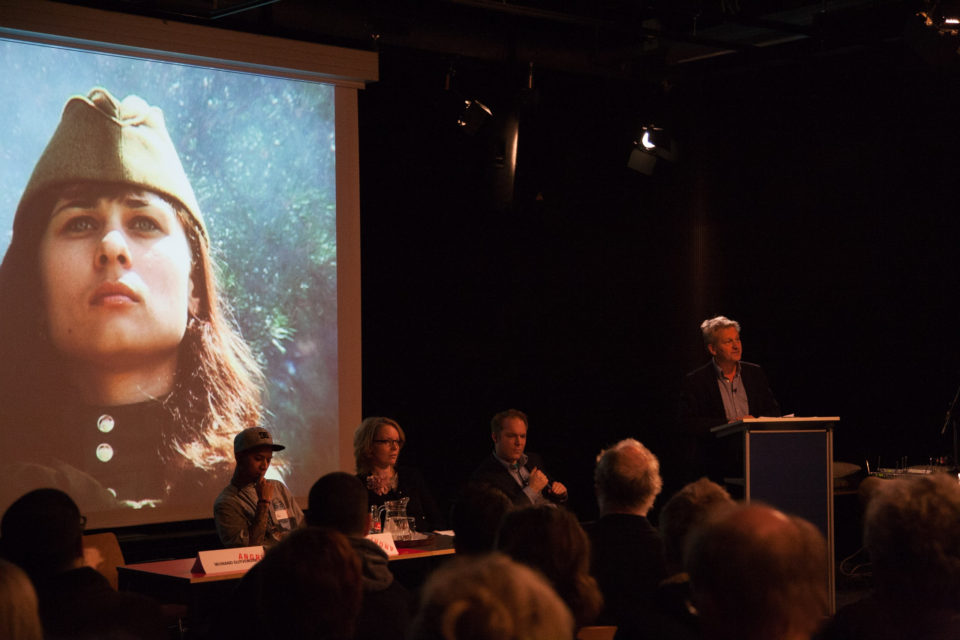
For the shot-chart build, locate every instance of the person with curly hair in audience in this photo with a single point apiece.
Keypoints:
(552, 541)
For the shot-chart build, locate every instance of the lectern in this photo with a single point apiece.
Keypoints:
(788, 464)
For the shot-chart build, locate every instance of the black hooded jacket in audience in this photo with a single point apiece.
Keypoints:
(387, 606)
(80, 604)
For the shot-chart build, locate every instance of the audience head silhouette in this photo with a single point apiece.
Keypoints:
(308, 585)
(476, 517)
(912, 532)
(553, 542)
(42, 532)
(686, 510)
(490, 597)
(339, 500)
(756, 574)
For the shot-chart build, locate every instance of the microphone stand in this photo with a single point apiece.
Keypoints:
(952, 422)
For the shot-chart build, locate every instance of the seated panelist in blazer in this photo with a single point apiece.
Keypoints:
(509, 468)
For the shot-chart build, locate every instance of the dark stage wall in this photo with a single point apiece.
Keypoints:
(815, 203)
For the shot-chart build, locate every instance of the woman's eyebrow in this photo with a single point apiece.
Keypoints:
(83, 202)
(136, 199)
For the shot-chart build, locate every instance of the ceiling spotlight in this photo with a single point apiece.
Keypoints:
(652, 144)
(942, 15)
(653, 138)
(647, 142)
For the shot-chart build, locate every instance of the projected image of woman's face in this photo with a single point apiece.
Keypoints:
(115, 272)
(168, 235)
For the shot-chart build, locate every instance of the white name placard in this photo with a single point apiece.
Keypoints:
(227, 560)
(385, 542)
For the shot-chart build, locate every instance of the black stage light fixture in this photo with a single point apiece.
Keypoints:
(651, 144)
(474, 115)
(471, 114)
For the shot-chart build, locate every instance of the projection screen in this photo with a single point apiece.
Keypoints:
(266, 133)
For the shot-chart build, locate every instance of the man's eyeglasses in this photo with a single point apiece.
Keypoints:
(83, 522)
(389, 442)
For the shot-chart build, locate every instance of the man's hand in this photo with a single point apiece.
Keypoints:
(537, 480)
(258, 528)
(558, 491)
(264, 489)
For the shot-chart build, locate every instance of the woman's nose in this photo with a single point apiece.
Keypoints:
(113, 248)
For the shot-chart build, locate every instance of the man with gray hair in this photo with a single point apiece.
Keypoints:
(723, 390)
(627, 551)
(911, 531)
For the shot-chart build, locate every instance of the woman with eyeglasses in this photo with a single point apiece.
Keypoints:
(376, 447)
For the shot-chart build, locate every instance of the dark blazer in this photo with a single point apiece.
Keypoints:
(701, 408)
(491, 471)
(80, 603)
(627, 560)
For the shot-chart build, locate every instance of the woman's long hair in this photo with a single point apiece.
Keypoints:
(553, 542)
(217, 388)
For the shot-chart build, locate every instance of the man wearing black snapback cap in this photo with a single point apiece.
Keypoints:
(253, 510)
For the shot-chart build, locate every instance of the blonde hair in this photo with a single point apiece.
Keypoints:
(19, 613)
(363, 440)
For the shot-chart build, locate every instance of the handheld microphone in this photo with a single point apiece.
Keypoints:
(530, 469)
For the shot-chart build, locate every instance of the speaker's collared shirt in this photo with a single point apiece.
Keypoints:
(733, 393)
